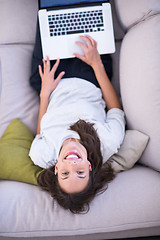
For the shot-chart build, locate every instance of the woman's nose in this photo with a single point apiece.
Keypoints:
(73, 162)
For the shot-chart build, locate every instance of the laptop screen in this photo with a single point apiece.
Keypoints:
(54, 3)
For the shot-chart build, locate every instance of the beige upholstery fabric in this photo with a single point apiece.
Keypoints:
(18, 21)
(136, 11)
(17, 98)
(131, 205)
(140, 84)
(130, 151)
(127, 204)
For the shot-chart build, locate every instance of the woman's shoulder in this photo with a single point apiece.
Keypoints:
(115, 111)
(42, 153)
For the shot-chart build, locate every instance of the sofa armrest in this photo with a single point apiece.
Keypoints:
(140, 85)
(132, 12)
(18, 21)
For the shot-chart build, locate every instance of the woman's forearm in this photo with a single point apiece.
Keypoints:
(109, 94)
(44, 100)
(92, 58)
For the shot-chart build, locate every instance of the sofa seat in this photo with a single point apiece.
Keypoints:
(126, 205)
(131, 205)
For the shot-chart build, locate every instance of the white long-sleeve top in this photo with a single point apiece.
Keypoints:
(75, 99)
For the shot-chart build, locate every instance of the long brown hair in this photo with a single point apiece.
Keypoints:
(99, 177)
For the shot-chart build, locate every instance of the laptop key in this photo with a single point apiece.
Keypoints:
(99, 25)
(72, 23)
(74, 32)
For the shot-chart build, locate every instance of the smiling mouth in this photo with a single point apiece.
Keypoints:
(72, 156)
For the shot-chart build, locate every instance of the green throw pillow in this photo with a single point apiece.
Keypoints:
(15, 164)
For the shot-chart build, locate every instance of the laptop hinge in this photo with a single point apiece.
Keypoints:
(76, 6)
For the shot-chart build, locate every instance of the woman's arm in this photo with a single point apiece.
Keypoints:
(109, 94)
(48, 86)
(92, 58)
(42, 110)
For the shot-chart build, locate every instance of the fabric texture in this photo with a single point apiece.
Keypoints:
(130, 207)
(127, 205)
(17, 98)
(75, 99)
(131, 150)
(136, 12)
(20, 26)
(140, 84)
(14, 160)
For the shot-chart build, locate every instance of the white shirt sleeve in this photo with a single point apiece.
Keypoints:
(41, 153)
(111, 133)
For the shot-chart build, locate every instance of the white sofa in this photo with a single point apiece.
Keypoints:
(131, 205)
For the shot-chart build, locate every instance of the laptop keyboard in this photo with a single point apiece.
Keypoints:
(77, 22)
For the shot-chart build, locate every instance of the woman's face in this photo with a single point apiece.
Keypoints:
(73, 167)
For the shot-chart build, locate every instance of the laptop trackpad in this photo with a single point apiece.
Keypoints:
(73, 47)
(62, 47)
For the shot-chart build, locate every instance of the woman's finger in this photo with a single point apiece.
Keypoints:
(82, 45)
(59, 77)
(94, 43)
(40, 71)
(47, 65)
(55, 66)
(79, 56)
(87, 40)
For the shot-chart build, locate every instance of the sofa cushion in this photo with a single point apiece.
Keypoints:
(140, 85)
(18, 21)
(14, 160)
(126, 205)
(17, 98)
(136, 11)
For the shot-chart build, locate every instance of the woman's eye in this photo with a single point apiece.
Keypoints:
(65, 173)
(80, 172)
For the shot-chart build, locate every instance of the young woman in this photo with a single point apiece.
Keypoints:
(75, 135)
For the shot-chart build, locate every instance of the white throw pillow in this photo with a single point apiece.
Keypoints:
(133, 145)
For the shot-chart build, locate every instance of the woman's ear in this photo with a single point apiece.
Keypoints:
(90, 167)
(56, 170)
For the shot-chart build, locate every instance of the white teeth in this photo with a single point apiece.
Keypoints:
(72, 156)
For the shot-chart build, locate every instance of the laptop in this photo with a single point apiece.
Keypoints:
(62, 22)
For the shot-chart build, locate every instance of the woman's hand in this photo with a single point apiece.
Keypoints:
(91, 55)
(47, 77)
